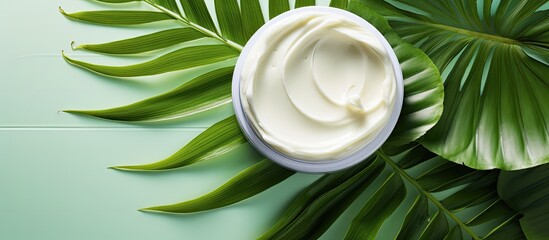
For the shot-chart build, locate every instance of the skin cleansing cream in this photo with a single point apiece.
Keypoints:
(317, 89)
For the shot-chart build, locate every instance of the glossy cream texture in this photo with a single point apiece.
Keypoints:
(317, 86)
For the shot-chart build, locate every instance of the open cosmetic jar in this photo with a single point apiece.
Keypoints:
(317, 89)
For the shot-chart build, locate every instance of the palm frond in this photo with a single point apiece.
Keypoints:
(112, 17)
(245, 184)
(202, 93)
(184, 58)
(427, 217)
(220, 138)
(475, 193)
(494, 60)
(317, 207)
(146, 43)
(214, 89)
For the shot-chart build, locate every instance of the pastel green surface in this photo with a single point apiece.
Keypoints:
(54, 181)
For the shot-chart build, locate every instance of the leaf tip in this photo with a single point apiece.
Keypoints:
(80, 112)
(74, 46)
(72, 111)
(62, 11)
(135, 168)
(65, 57)
(121, 168)
(150, 210)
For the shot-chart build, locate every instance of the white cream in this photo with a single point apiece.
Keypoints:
(317, 86)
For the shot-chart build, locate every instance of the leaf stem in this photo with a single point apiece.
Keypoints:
(432, 198)
(199, 28)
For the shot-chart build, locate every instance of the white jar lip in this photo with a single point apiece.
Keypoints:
(324, 166)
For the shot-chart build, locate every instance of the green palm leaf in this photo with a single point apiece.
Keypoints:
(420, 222)
(437, 228)
(495, 67)
(415, 220)
(230, 21)
(451, 206)
(118, 17)
(184, 58)
(339, 3)
(304, 3)
(220, 138)
(369, 220)
(454, 234)
(197, 12)
(205, 92)
(508, 230)
(169, 5)
(252, 17)
(493, 211)
(444, 177)
(245, 184)
(145, 43)
(277, 7)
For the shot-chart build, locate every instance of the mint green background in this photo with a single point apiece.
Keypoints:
(54, 181)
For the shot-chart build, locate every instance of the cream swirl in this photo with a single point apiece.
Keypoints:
(317, 86)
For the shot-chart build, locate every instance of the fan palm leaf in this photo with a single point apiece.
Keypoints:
(494, 58)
